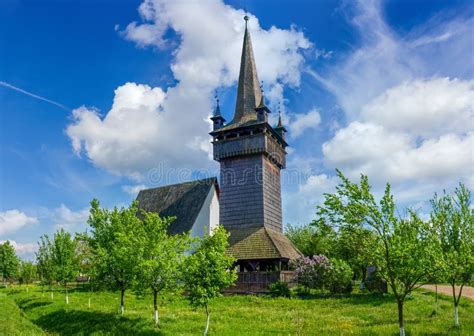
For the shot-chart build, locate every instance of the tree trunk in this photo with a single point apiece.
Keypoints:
(208, 314)
(67, 294)
(155, 305)
(122, 298)
(400, 318)
(456, 317)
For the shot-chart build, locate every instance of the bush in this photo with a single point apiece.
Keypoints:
(279, 289)
(338, 278)
(310, 270)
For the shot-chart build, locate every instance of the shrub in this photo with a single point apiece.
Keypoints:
(279, 289)
(338, 278)
(310, 270)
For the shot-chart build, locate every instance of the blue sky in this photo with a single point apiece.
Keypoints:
(383, 88)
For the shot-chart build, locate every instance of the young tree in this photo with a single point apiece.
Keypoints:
(27, 272)
(44, 263)
(163, 255)
(208, 270)
(65, 261)
(117, 243)
(453, 221)
(9, 262)
(404, 249)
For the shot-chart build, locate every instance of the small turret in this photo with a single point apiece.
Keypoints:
(217, 118)
(280, 129)
(262, 109)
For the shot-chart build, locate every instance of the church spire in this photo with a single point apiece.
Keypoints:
(248, 91)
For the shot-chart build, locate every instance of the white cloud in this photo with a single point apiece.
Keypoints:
(424, 107)
(63, 217)
(300, 205)
(409, 115)
(13, 220)
(22, 248)
(167, 128)
(397, 157)
(133, 189)
(304, 121)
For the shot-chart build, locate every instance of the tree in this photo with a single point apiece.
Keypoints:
(208, 270)
(44, 263)
(117, 243)
(404, 250)
(27, 272)
(163, 256)
(314, 239)
(453, 221)
(65, 261)
(85, 257)
(9, 262)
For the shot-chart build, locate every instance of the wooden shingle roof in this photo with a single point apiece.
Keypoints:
(260, 243)
(184, 201)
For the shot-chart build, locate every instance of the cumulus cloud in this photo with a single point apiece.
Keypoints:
(149, 128)
(427, 107)
(63, 217)
(133, 189)
(407, 102)
(304, 121)
(22, 249)
(300, 204)
(13, 220)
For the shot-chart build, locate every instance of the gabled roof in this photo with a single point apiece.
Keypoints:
(183, 200)
(260, 243)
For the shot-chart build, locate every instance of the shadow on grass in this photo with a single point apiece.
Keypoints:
(78, 322)
(28, 304)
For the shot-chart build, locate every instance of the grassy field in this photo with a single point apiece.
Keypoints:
(32, 313)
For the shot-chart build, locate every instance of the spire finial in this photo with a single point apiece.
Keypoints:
(217, 111)
(246, 17)
(280, 123)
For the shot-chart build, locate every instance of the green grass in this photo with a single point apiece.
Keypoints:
(358, 314)
(13, 321)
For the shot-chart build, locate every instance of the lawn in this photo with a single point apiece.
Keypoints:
(359, 314)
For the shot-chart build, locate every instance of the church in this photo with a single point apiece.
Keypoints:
(246, 199)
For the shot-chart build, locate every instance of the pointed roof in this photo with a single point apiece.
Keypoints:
(249, 94)
(183, 200)
(247, 243)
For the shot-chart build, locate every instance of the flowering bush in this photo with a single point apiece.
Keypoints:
(310, 271)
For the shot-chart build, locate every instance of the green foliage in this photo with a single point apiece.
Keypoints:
(162, 258)
(9, 262)
(64, 258)
(117, 244)
(404, 249)
(44, 261)
(163, 254)
(279, 289)
(27, 272)
(338, 278)
(208, 270)
(315, 239)
(453, 222)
